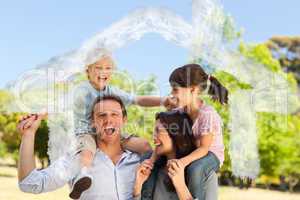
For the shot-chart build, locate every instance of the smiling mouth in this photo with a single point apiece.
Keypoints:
(102, 79)
(157, 144)
(109, 131)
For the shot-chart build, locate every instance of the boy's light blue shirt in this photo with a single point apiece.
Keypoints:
(84, 97)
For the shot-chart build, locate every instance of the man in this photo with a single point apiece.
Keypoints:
(113, 168)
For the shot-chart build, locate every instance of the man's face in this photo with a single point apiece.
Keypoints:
(99, 73)
(108, 120)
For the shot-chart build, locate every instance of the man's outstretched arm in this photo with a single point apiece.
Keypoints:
(36, 181)
(27, 126)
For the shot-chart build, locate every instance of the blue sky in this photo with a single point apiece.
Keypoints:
(31, 31)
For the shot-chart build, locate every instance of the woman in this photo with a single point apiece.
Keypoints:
(167, 178)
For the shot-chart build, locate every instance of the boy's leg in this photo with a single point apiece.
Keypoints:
(86, 149)
(198, 173)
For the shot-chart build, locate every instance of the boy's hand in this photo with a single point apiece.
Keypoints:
(30, 123)
(170, 102)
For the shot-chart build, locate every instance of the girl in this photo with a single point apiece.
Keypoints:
(188, 83)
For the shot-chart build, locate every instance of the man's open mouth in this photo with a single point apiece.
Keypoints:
(109, 130)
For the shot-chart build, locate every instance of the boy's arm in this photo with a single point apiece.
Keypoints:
(149, 101)
(203, 144)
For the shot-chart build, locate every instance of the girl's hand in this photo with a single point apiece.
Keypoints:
(176, 172)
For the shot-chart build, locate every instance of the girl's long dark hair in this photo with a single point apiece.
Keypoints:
(193, 75)
(179, 127)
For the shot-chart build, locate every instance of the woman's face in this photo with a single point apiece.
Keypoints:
(162, 141)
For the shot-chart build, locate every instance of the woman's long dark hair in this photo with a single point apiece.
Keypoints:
(179, 127)
(193, 75)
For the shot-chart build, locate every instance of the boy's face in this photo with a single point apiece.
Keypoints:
(99, 73)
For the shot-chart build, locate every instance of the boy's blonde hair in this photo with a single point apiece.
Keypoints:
(96, 55)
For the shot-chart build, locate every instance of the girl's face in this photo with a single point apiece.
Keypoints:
(162, 141)
(183, 96)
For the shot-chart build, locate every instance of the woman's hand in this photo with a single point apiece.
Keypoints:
(142, 174)
(176, 172)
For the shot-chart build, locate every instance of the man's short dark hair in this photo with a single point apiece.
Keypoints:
(109, 97)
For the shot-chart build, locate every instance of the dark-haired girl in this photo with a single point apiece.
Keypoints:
(188, 83)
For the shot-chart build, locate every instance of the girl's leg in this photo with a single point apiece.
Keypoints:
(198, 173)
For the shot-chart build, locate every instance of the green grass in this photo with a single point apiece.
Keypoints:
(9, 191)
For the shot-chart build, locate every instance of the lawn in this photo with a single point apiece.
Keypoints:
(10, 191)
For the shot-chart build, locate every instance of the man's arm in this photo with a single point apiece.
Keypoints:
(28, 126)
(30, 179)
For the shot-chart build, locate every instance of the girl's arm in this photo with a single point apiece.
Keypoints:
(203, 144)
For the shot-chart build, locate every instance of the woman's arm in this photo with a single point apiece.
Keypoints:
(142, 174)
(176, 173)
(183, 192)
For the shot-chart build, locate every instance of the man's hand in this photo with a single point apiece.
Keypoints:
(30, 123)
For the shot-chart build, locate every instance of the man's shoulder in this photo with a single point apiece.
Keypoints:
(146, 156)
(132, 155)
